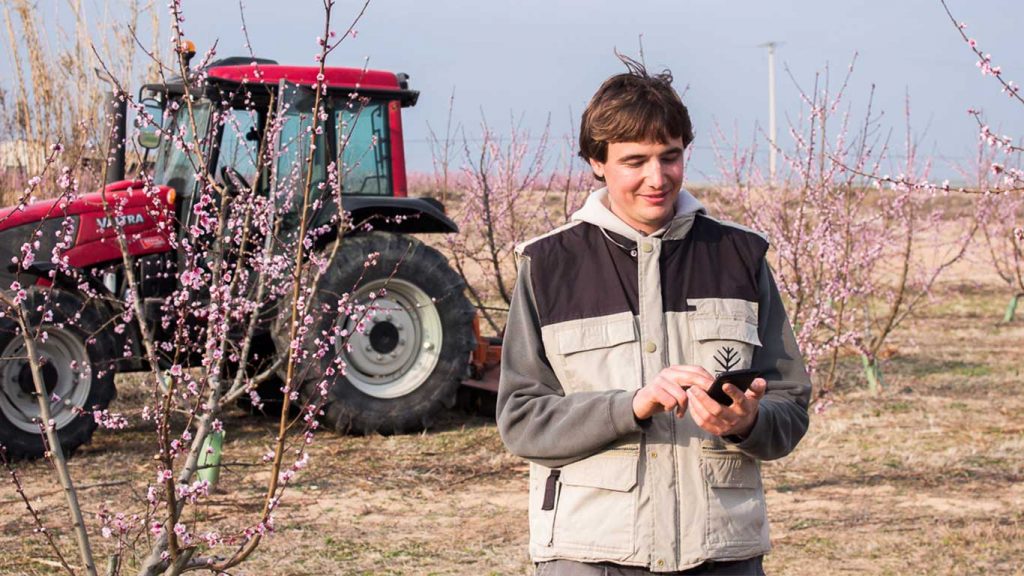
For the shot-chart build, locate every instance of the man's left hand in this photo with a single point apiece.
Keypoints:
(735, 420)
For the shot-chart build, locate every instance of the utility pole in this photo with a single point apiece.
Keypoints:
(772, 134)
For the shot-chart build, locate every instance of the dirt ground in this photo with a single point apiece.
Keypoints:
(925, 478)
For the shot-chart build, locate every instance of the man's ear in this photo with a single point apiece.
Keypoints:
(597, 167)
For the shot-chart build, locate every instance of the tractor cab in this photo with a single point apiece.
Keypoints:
(254, 119)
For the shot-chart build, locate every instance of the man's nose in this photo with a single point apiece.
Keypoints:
(655, 175)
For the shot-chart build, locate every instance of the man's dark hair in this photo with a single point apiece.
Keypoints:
(633, 107)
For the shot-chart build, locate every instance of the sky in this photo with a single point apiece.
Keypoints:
(535, 59)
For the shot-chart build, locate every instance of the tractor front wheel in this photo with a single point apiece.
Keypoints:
(76, 352)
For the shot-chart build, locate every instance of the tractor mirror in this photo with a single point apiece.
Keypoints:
(149, 140)
(149, 121)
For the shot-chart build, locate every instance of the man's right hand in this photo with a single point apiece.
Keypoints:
(668, 391)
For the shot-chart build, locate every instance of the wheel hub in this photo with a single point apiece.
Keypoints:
(384, 337)
(388, 343)
(399, 348)
(49, 373)
(66, 374)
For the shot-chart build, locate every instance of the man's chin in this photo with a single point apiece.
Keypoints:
(658, 218)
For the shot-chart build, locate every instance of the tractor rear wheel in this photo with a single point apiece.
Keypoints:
(405, 363)
(77, 365)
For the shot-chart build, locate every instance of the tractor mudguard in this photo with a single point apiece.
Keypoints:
(404, 215)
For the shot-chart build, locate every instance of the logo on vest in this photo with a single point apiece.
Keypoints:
(727, 358)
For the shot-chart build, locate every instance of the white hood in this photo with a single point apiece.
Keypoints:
(596, 211)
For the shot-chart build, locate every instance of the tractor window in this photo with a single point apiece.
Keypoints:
(293, 152)
(239, 144)
(174, 167)
(362, 137)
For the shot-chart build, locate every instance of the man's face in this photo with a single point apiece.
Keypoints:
(643, 180)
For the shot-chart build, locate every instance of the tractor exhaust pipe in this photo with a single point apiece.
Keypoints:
(116, 115)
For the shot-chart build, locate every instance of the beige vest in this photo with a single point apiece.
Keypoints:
(675, 496)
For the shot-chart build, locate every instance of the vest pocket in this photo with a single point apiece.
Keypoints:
(596, 506)
(598, 354)
(736, 507)
(724, 333)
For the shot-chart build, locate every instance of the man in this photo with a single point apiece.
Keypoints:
(619, 321)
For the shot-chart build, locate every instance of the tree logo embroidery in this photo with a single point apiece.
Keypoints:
(727, 358)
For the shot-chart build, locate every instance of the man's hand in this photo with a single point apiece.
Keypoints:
(668, 391)
(735, 420)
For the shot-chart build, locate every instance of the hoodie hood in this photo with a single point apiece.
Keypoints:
(596, 211)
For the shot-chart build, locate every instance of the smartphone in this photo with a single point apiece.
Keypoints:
(738, 378)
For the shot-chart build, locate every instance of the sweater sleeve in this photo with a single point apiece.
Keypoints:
(782, 417)
(536, 420)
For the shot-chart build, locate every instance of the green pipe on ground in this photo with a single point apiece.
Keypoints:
(209, 458)
(1011, 309)
(873, 372)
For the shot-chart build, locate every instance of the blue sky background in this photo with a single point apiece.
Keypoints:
(532, 58)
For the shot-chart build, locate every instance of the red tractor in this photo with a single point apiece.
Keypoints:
(400, 371)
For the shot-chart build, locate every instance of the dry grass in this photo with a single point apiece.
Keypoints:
(54, 92)
(927, 478)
